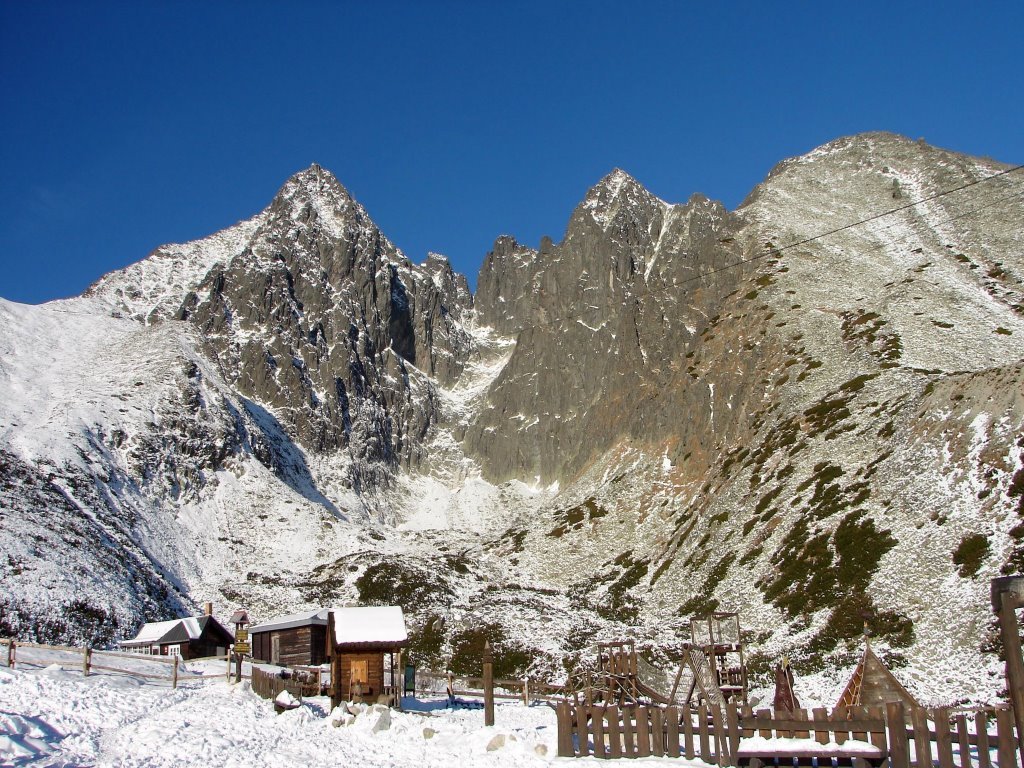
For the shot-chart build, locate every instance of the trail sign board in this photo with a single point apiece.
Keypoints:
(241, 636)
(243, 648)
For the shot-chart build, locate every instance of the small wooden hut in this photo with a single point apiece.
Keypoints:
(296, 639)
(365, 645)
(873, 684)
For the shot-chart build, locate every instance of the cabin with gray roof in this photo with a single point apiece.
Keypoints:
(296, 639)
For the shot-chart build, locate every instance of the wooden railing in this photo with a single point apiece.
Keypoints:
(718, 736)
(14, 653)
(524, 689)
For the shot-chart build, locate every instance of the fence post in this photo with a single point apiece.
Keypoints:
(488, 684)
(565, 745)
(732, 740)
(526, 691)
(86, 655)
(922, 736)
(174, 673)
(943, 737)
(719, 737)
(11, 653)
(227, 675)
(899, 746)
(1007, 747)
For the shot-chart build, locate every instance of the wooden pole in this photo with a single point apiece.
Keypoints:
(227, 674)
(11, 654)
(398, 680)
(335, 660)
(174, 673)
(1007, 597)
(86, 654)
(488, 685)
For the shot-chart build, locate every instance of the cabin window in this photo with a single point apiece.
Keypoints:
(275, 648)
(360, 672)
(154, 650)
(174, 650)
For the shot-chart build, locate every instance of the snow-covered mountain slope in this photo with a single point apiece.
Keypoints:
(807, 409)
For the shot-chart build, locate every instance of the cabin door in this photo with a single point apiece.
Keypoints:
(275, 648)
(359, 678)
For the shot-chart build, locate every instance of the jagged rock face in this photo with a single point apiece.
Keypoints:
(858, 409)
(312, 311)
(604, 320)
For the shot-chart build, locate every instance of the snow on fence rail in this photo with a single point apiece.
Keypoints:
(89, 660)
(739, 736)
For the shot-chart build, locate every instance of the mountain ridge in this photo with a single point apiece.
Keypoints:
(670, 410)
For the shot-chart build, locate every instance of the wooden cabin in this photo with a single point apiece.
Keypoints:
(188, 638)
(366, 653)
(297, 639)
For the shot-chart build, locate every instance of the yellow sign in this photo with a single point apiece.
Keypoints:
(241, 635)
(243, 648)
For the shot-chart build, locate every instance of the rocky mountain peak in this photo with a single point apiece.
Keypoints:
(506, 288)
(617, 194)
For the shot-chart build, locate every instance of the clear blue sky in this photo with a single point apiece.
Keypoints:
(124, 126)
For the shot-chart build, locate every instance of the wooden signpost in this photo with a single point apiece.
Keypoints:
(242, 646)
(488, 684)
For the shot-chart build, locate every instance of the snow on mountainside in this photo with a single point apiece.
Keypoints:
(618, 431)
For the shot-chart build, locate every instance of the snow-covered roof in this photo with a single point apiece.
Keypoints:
(292, 620)
(155, 631)
(370, 625)
(152, 632)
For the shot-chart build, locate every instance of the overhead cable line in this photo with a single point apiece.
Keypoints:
(772, 253)
(858, 223)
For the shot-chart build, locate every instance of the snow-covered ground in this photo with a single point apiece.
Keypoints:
(55, 717)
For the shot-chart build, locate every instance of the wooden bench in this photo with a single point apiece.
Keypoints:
(759, 751)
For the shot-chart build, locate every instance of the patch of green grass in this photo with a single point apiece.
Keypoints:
(426, 643)
(827, 413)
(815, 569)
(767, 499)
(660, 570)
(752, 554)
(971, 553)
(857, 383)
(703, 603)
(510, 659)
(848, 620)
(393, 581)
(573, 519)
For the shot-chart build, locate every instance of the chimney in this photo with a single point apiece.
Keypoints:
(209, 609)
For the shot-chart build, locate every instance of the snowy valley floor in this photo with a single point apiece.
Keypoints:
(55, 717)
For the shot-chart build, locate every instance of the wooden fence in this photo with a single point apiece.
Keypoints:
(89, 660)
(739, 735)
(307, 682)
(526, 690)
